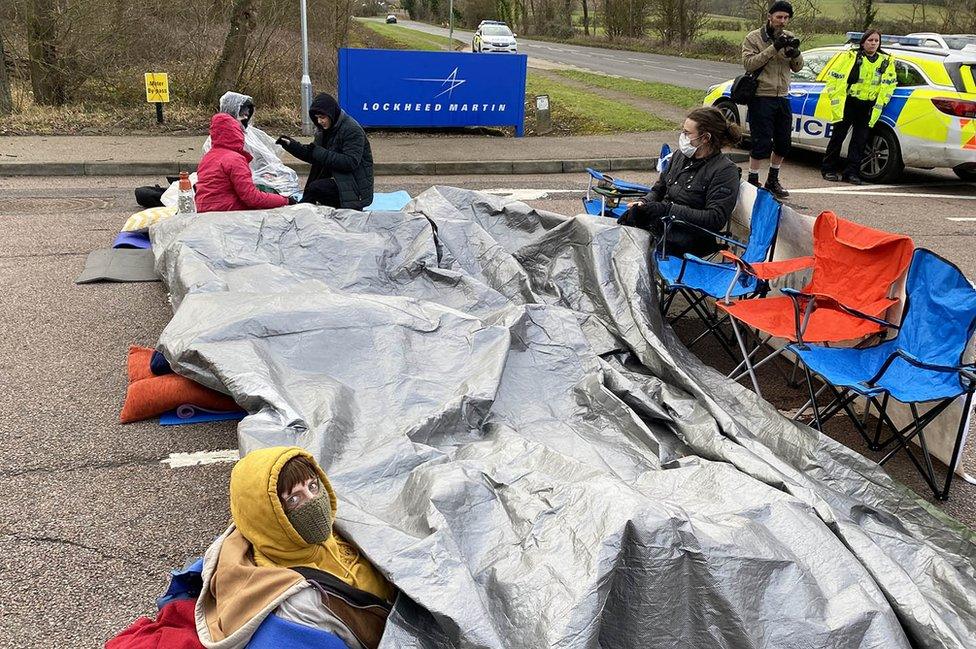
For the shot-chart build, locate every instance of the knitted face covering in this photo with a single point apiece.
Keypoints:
(313, 519)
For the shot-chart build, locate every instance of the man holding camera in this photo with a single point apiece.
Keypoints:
(771, 53)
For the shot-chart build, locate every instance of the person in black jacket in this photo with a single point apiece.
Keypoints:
(341, 159)
(700, 187)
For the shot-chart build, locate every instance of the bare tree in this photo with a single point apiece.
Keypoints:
(46, 78)
(864, 12)
(625, 18)
(6, 103)
(679, 21)
(959, 16)
(227, 72)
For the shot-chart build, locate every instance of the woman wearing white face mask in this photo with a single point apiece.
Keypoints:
(700, 187)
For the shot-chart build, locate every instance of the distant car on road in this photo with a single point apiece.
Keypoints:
(391, 19)
(494, 36)
(930, 121)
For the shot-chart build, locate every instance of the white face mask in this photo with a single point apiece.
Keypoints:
(684, 145)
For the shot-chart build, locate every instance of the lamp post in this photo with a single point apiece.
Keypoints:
(450, 28)
(307, 127)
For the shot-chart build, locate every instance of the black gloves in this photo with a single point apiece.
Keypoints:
(293, 147)
(790, 44)
(644, 214)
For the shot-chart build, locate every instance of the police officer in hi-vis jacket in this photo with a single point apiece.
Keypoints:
(858, 86)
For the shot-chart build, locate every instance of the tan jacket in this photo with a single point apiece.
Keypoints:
(758, 50)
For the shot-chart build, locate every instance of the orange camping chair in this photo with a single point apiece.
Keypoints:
(846, 298)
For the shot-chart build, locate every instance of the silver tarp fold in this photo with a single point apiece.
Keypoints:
(528, 452)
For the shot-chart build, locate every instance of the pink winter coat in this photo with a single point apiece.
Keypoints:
(224, 178)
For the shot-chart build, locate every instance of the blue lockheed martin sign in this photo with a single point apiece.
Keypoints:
(429, 89)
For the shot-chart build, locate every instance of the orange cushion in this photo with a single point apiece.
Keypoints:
(149, 395)
(139, 358)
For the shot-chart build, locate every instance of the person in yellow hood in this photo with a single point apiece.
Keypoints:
(281, 562)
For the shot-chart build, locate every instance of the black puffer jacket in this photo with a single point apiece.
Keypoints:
(342, 153)
(702, 191)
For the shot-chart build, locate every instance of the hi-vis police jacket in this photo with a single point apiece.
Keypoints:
(876, 81)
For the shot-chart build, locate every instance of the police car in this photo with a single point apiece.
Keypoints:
(929, 122)
(494, 36)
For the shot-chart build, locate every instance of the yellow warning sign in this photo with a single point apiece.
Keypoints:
(157, 87)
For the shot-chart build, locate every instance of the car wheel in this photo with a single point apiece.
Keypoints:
(965, 172)
(882, 161)
(730, 110)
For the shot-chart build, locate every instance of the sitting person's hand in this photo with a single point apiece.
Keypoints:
(643, 214)
(291, 146)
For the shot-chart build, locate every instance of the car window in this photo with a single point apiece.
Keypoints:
(496, 30)
(959, 42)
(931, 42)
(908, 75)
(813, 63)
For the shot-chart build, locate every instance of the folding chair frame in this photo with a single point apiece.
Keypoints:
(800, 322)
(609, 192)
(697, 299)
(900, 437)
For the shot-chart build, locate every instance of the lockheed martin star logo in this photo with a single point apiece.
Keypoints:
(451, 82)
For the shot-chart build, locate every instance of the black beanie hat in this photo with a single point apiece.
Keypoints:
(324, 104)
(781, 5)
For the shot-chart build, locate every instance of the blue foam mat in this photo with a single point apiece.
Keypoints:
(194, 415)
(388, 202)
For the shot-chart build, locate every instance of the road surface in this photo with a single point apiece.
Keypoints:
(94, 514)
(688, 73)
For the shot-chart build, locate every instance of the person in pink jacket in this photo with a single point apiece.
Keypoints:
(223, 176)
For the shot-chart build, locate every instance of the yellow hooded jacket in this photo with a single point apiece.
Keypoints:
(260, 518)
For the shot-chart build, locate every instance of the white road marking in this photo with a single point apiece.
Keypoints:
(959, 218)
(530, 194)
(840, 192)
(177, 460)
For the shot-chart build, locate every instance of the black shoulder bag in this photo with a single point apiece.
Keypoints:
(745, 86)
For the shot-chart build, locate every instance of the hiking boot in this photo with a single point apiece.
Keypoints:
(754, 180)
(831, 176)
(776, 189)
(853, 179)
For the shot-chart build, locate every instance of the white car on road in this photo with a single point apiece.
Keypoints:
(493, 36)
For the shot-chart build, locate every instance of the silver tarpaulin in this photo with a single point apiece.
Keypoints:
(526, 450)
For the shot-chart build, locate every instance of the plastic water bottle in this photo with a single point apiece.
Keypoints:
(185, 202)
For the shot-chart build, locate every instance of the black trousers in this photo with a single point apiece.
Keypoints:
(322, 192)
(770, 126)
(857, 114)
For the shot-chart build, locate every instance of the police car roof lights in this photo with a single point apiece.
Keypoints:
(908, 41)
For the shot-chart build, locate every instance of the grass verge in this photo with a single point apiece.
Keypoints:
(411, 39)
(579, 112)
(663, 92)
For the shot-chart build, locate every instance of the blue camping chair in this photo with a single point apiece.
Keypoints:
(696, 279)
(922, 364)
(605, 196)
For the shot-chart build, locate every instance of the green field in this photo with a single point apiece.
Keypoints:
(663, 92)
(809, 40)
